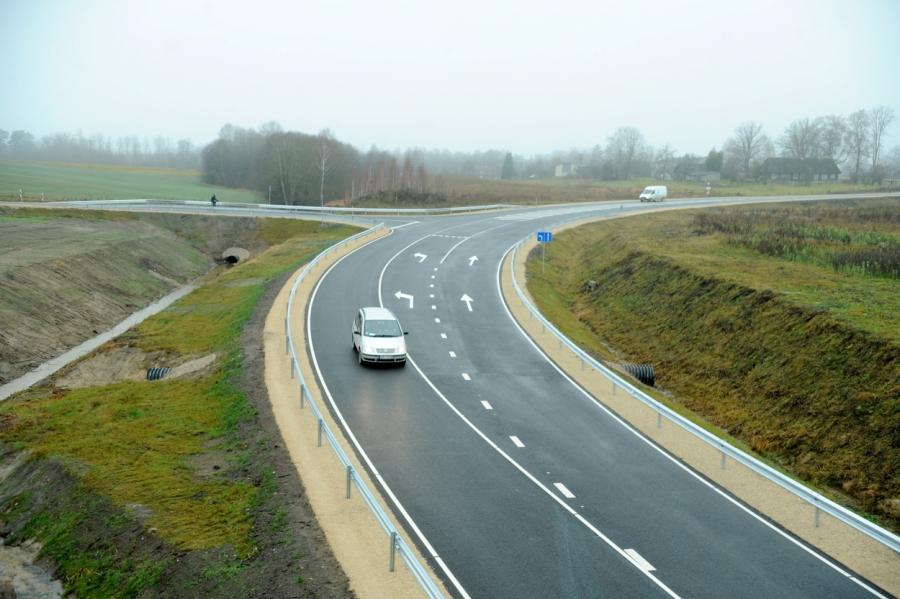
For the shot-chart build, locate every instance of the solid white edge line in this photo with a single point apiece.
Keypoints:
(671, 458)
(415, 222)
(565, 491)
(349, 432)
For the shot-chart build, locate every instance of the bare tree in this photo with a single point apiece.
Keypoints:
(857, 140)
(664, 162)
(623, 146)
(832, 129)
(748, 147)
(323, 160)
(801, 139)
(879, 120)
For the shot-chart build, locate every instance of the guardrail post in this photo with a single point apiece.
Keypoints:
(818, 511)
(293, 366)
(302, 392)
(287, 341)
(393, 550)
(722, 461)
(349, 478)
(659, 420)
(321, 425)
(582, 363)
(614, 387)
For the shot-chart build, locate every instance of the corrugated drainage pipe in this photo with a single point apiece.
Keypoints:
(154, 374)
(642, 372)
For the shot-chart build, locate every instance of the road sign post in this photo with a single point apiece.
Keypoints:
(544, 237)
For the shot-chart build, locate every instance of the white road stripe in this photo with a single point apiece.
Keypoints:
(431, 285)
(565, 491)
(437, 320)
(443, 335)
(435, 268)
(516, 441)
(432, 276)
(466, 377)
(640, 561)
(430, 296)
(453, 354)
(434, 307)
(487, 405)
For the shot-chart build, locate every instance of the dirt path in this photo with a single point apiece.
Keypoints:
(867, 557)
(356, 538)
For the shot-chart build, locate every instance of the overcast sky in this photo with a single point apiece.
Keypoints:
(527, 77)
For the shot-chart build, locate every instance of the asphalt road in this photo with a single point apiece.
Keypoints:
(511, 478)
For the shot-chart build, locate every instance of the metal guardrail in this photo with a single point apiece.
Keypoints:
(818, 501)
(310, 209)
(396, 542)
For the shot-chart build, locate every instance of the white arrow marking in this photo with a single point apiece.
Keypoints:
(401, 295)
(421, 257)
(468, 301)
(473, 260)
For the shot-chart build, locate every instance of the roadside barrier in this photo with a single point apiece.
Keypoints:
(819, 502)
(396, 543)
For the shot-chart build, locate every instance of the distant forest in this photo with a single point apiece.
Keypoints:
(289, 167)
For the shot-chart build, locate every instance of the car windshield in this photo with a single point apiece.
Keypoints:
(648, 190)
(383, 328)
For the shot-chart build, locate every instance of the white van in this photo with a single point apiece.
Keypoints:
(654, 193)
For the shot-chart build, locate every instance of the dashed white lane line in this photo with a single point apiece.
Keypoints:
(466, 377)
(516, 441)
(564, 490)
(443, 335)
(453, 354)
(640, 561)
(437, 320)
(435, 268)
(431, 285)
(432, 276)
(487, 405)
(430, 296)
(434, 307)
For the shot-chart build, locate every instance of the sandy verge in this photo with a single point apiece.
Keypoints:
(357, 540)
(845, 544)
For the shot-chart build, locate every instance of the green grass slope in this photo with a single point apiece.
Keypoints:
(778, 325)
(137, 442)
(69, 181)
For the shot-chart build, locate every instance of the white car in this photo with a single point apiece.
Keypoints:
(378, 337)
(654, 193)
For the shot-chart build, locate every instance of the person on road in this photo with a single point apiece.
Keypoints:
(213, 200)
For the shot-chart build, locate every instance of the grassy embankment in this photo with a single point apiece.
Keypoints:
(132, 442)
(458, 191)
(776, 326)
(65, 181)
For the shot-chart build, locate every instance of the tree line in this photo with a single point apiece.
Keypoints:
(290, 167)
(128, 150)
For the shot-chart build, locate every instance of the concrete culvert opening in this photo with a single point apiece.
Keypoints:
(642, 372)
(233, 255)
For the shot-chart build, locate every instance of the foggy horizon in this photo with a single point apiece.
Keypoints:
(479, 77)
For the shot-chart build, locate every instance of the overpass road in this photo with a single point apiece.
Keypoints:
(513, 479)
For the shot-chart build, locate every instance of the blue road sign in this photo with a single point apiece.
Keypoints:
(544, 236)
